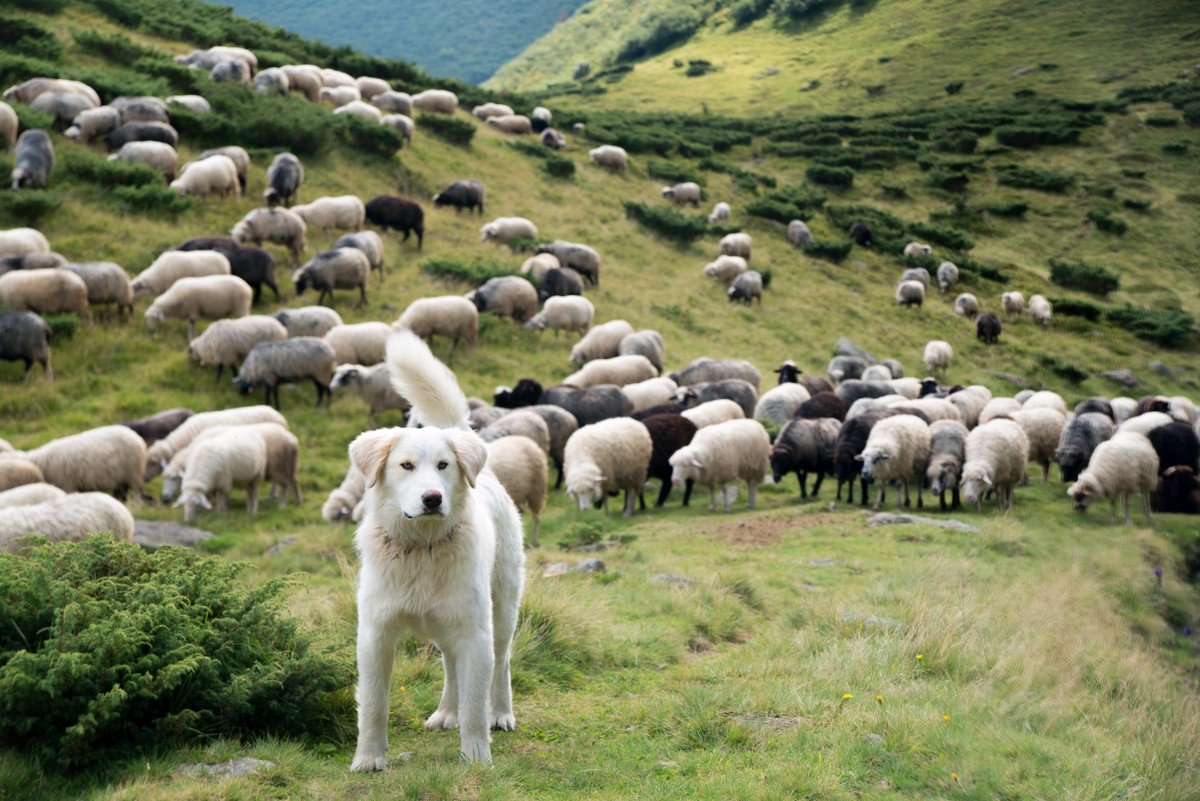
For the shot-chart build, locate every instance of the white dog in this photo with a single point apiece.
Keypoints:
(441, 549)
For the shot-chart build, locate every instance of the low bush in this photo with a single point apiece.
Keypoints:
(955, 87)
(894, 190)
(26, 37)
(451, 129)
(1069, 307)
(152, 199)
(829, 251)
(740, 175)
(1170, 326)
(670, 171)
(1136, 204)
(1068, 372)
(1130, 172)
(1106, 222)
(369, 137)
(887, 230)
(29, 205)
(1025, 136)
(1034, 178)
(1007, 208)
(1100, 190)
(1084, 277)
(698, 67)
(92, 168)
(1162, 121)
(117, 48)
(787, 203)
(829, 176)
(473, 274)
(558, 166)
(938, 235)
(950, 180)
(682, 228)
(253, 120)
(1175, 148)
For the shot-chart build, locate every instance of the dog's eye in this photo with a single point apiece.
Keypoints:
(407, 465)
(443, 465)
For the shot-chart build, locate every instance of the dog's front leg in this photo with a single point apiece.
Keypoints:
(446, 716)
(376, 653)
(475, 662)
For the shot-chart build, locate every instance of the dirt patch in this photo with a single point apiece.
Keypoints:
(763, 532)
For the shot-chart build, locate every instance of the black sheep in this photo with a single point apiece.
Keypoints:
(142, 132)
(803, 447)
(527, 392)
(823, 404)
(852, 438)
(1178, 492)
(670, 407)
(398, 213)
(256, 267)
(158, 426)
(25, 337)
(789, 373)
(855, 388)
(1099, 405)
(467, 194)
(1150, 403)
(668, 433)
(34, 160)
(988, 329)
(559, 281)
(735, 389)
(1079, 440)
(860, 232)
(221, 243)
(1176, 444)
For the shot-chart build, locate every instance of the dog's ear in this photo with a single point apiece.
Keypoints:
(369, 452)
(471, 453)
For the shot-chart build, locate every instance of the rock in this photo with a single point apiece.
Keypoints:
(226, 770)
(811, 85)
(1012, 379)
(1121, 377)
(590, 566)
(889, 519)
(283, 543)
(556, 569)
(845, 347)
(772, 70)
(154, 534)
(1019, 71)
(869, 622)
(1161, 369)
(872, 740)
(594, 547)
(667, 578)
(822, 562)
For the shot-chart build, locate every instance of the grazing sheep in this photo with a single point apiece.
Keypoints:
(779, 404)
(369, 243)
(704, 370)
(860, 234)
(34, 161)
(725, 268)
(877, 372)
(486, 111)
(1045, 399)
(359, 343)
(852, 438)
(560, 282)
(142, 132)
(1176, 445)
(1182, 409)
(511, 124)
(107, 459)
(22, 241)
(579, 257)
(947, 275)
(158, 426)
(281, 226)
(930, 408)
(25, 337)
(45, 291)
(62, 106)
(897, 449)
(218, 463)
(394, 102)
(503, 229)
(917, 249)
(648, 393)
(308, 321)
(439, 101)
(998, 407)
(226, 343)
(541, 113)
(1177, 492)
(157, 156)
(919, 274)
(93, 122)
(853, 389)
(450, 316)
(371, 385)
(343, 268)
(1044, 429)
(518, 423)
(506, 296)
(561, 424)
(283, 460)
(803, 447)
(159, 455)
(1040, 310)
(237, 54)
(938, 355)
(9, 124)
(1013, 304)
(589, 405)
(215, 175)
(332, 77)
(212, 297)
(619, 370)
(467, 194)
(553, 139)
(284, 177)
(686, 192)
(607, 457)
(799, 234)
(270, 364)
(28, 91)
(272, 81)
(721, 454)
(304, 78)
(996, 454)
(400, 124)
(647, 342)
(1123, 408)
(68, 519)
(668, 433)
(399, 214)
(988, 329)
(1142, 424)
(720, 213)
(610, 156)
(966, 305)
(253, 265)
(341, 213)
(569, 313)
(845, 368)
(338, 96)
(193, 103)
(520, 466)
(1119, 466)
(29, 495)
(142, 109)
(714, 411)
(360, 109)
(822, 404)
(1098, 405)
(343, 502)
(746, 288)
(910, 293)
(239, 157)
(600, 342)
(16, 471)
(947, 452)
(174, 265)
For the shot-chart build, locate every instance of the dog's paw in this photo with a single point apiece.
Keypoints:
(504, 722)
(368, 763)
(442, 720)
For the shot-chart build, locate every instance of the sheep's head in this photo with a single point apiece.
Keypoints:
(1084, 492)
(154, 318)
(975, 483)
(684, 466)
(487, 232)
(537, 322)
(20, 177)
(942, 477)
(586, 486)
(871, 459)
(191, 501)
(780, 459)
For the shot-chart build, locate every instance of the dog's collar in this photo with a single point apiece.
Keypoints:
(407, 547)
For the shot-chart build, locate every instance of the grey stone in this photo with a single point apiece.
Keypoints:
(1012, 379)
(556, 569)
(242, 766)
(1161, 369)
(772, 70)
(154, 534)
(872, 739)
(1019, 71)
(595, 547)
(888, 519)
(667, 578)
(845, 347)
(283, 543)
(869, 622)
(822, 562)
(589, 566)
(1123, 377)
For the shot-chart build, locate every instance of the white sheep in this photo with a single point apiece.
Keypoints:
(1125, 464)
(1040, 310)
(933, 408)
(897, 449)
(93, 122)
(283, 460)
(736, 245)
(340, 268)
(522, 470)
(29, 494)
(564, 313)
(537, 265)
(369, 243)
(998, 407)
(106, 459)
(1043, 427)
(1045, 399)
(226, 343)
(937, 357)
(1013, 304)
(506, 296)
(779, 404)
(279, 225)
(725, 268)
(619, 370)
(338, 96)
(395, 102)
(161, 452)
(272, 81)
(193, 103)
(9, 124)
(722, 454)
(215, 175)
(600, 342)
(176, 264)
(996, 455)
(610, 156)
(332, 77)
(67, 519)
(344, 502)
(45, 291)
(720, 213)
(218, 463)
(686, 192)
(648, 343)
(22, 241)
(341, 213)
(360, 109)
(712, 412)
(450, 316)
(1145, 423)
(799, 234)
(910, 293)
(542, 113)
(511, 123)
(439, 101)
(158, 156)
(651, 392)
(211, 297)
(917, 249)
(486, 111)
(16, 471)
(371, 87)
(400, 123)
(947, 275)
(308, 321)
(371, 385)
(359, 343)
(966, 305)
(607, 457)
(504, 229)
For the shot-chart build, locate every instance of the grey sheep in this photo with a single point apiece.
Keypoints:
(519, 423)
(842, 368)
(590, 405)
(740, 392)
(142, 109)
(916, 274)
(706, 369)
(142, 132)
(394, 102)
(158, 426)
(966, 305)
(34, 162)
(62, 106)
(401, 124)
(31, 261)
(230, 71)
(308, 321)
(343, 268)
(369, 243)
(561, 424)
(553, 139)
(579, 257)
(910, 293)
(158, 156)
(93, 122)
(281, 226)
(193, 103)
(107, 282)
(798, 233)
(226, 343)
(24, 336)
(947, 275)
(284, 177)
(647, 342)
(270, 364)
(746, 288)
(372, 385)
(507, 296)
(947, 452)
(803, 447)
(272, 81)
(1078, 442)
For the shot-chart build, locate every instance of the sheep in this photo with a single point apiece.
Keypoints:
(1044, 429)
(947, 452)
(338, 96)
(486, 111)
(947, 276)
(589, 405)
(371, 87)
(211, 297)
(1177, 492)
(213, 175)
(174, 265)
(142, 109)
(686, 192)
(253, 265)
(853, 389)
(1045, 399)
(1142, 423)
(193, 103)
(453, 317)
(270, 364)
(877, 372)
(394, 102)
(581, 258)
(897, 449)
(142, 132)
(308, 321)
(607, 457)
(343, 502)
(996, 454)
(560, 282)
(397, 213)
(503, 229)
(226, 343)
(281, 226)
(106, 283)
(1182, 409)
(34, 160)
(568, 313)
(1123, 408)
(26, 92)
(45, 291)
(1097, 405)
(372, 385)
(917, 249)
(511, 124)
(93, 122)
(366, 241)
(16, 471)
(705, 369)
(67, 519)
(735, 389)
(803, 447)
(1040, 310)
(304, 78)
(648, 393)
(216, 464)
(400, 124)
(161, 452)
(610, 156)
(910, 293)
(9, 125)
(600, 342)
(239, 157)
(520, 466)
(937, 357)
(62, 106)
(553, 139)
(998, 407)
(332, 77)
(25, 337)
(342, 213)
(466, 194)
(725, 268)
(107, 459)
(1119, 466)
(31, 261)
(845, 368)
(439, 101)
(272, 81)
(860, 233)
(506, 296)
(798, 233)
(479, 418)
(157, 156)
(779, 404)
(988, 329)
(919, 274)
(283, 458)
(852, 438)
(284, 177)
(715, 411)
(619, 370)
(720, 213)
(894, 367)
(360, 109)
(1013, 304)
(237, 54)
(723, 453)
(343, 268)
(1176, 445)
(821, 404)
(561, 424)
(539, 264)
(966, 305)
(360, 343)
(22, 241)
(518, 423)
(648, 343)
(746, 288)
(929, 408)
(541, 113)
(29, 495)
(158, 426)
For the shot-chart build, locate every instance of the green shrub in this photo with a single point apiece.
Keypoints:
(1170, 326)
(1007, 208)
(1162, 121)
(1106, 222)
(118, 47)
(62, 325)
(681, 228)
(252, 120)
(92, 168)
(660, 29)
(971, 269)
(1069, 307)
(183, 78)
(955, 87)
(829, 176)
(800, 9)
(1084, 277)
(1068, 372)
(788, 203)
(26, 37)
(29, 205)
(1136, 204)
(1100, 190)
(829, 251)
(152, 199)
(946, 237)
(670, 171)
(451, 129)
(108, 651)
(739, 175)
(1129, 172)
(473, 274)
(370, 137)
(558, 166)
(1029, 136)
(699, 66)
(894, 190)
(887, 230)
(15, 69)
(950, 180)
(32, 118)
(1034, 178)
(1175, 148)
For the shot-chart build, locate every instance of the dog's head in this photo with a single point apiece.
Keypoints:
(418, 472)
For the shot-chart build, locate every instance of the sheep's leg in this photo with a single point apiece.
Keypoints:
(801, 477)
(663, 492)
(920, 492)
(955, 503)
(1146, 506)
(878, 497)
(28, 369)
(1125, 508)
(641, 500)
(252, 497)
(1045, 472)
(687, 490)
(817, 486)
(222, 501)
(604, 504)
(839, 490)
(712, 497)
(725, 493)
(942, 500)
(629, 503)
(191, 329)
(752, 493)
(362, 294)
(558, 482)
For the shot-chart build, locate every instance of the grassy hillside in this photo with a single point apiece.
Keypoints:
(470, 44)
(1040, 657)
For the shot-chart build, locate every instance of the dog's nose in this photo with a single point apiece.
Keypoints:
(431, 499)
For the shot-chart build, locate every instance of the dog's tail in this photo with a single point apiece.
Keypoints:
(425, 382)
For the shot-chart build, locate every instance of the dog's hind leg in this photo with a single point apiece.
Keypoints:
(376, 653)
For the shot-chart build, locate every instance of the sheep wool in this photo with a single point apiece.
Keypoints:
(359, 343)
(1044, 427)
(308, 321)
(600, 342)
(160, 453)
(996, 454)
(722, 454)
(897, 449)
(106, 459)
(608, 456)
(725, 268)
(619, 370)
(651, 392)
(1119, 467)
(450, 316)
(779, 404)
(342, 503)
(937, 357)
(371, 385)
(521, 469)
(16, 471)
(572, 313)
(211, 297)
(176, 264)
(713, 412)
(218, 463)
(29, 495)
(226, 343)
(45, 291)
(68, 519)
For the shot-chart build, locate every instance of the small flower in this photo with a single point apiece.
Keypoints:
(1187, 631)
(920, 657)
(879, 698)
(954, 776)
(945, 717)
(847, 697)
